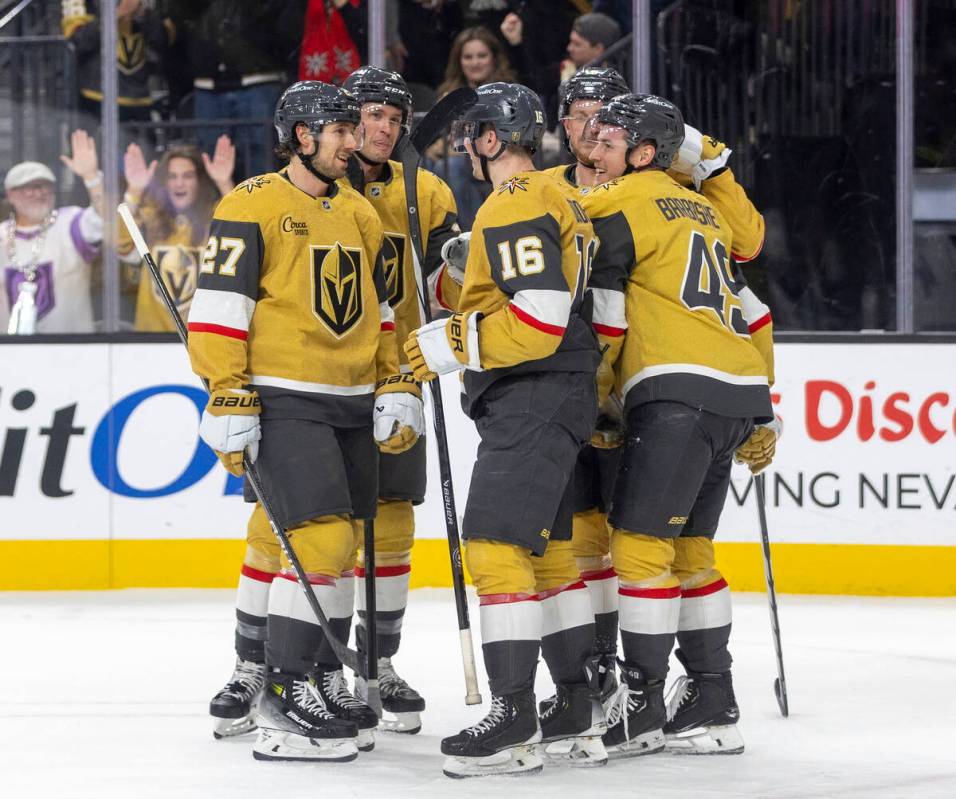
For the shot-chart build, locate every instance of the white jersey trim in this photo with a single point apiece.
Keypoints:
(226, 308)
(311, 388)
(545, 305)
(609, 307)
(693, 369)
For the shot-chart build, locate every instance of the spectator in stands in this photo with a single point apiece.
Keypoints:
(477, 57)
(239, 50)
(427, 28)
(173, 201)
(46, 252)
(328, 52)
(139, 30)
(591, 36)
(538, 58)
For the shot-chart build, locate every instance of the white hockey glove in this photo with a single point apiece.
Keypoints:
(398, 418)
(443, 346)
(230, 426)
(700, 156)
(757, 451)
(454, 253)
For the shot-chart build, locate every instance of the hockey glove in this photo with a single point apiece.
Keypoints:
(700, 156)
(442, 346)
(230, 425)
(758, 450)
(454, 253)
(399, 416)
(608, 434)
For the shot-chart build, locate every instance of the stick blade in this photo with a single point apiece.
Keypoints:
(443, 113)
(781, 693)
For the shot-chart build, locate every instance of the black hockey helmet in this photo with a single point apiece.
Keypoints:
(644, 117)
(592, 83)
(374, 85)
(314, 104)
(512, 110)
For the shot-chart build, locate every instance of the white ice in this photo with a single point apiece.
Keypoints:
(104, 695)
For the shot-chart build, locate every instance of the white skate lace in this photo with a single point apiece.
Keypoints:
(307, 697)
(389, 682)
(247, 680)
(496, 714)
(337, 688)
(679, 692)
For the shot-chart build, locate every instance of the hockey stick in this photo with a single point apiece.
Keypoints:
(435, 122)
(779, 684)
(349, 657)
(374, 697)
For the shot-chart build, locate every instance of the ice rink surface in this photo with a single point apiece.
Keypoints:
(104, 695)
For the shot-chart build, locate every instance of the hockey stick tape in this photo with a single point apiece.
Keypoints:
(138, 241)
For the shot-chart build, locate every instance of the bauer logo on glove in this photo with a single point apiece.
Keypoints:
(443, 346)
(230, 426)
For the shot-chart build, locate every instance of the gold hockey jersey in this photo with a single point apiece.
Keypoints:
(292, 301)
(438, 216)
(528, 263)
(663, 282)
(178, 261)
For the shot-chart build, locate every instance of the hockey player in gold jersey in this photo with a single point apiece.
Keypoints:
(693, 385)
(291, 328)
(386, 114)
(524, 344)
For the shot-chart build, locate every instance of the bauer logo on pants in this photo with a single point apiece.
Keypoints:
(337, 286)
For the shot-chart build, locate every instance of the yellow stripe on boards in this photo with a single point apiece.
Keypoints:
(861, 569)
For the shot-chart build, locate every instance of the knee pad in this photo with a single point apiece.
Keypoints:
(556, 567)
(394, 532)
(262, 547)
(590, 537)
(643, 560)
(694, 562)
(325, 545)
(497, 567)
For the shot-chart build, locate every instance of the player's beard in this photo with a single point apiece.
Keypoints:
(330, 164)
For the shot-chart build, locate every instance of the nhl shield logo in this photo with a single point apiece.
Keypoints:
(337, 286)
(179, 267)
(393, 252)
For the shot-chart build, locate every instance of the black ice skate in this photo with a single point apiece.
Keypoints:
(635, 716)
(295, 724)
(572, 726)
(503, 742)
(339, 701)
(702, 715)
(402, 703)
(233, 708)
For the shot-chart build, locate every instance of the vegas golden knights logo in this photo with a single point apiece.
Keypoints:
(337, 286)
(179, 267)
(130, 52)
(393, 250)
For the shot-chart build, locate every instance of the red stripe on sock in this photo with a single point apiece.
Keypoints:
(219, 330)
(704, 590)
(559, 590)
(385, 571)
(314, 579)
(502, 599)
(255, 574)
(604, 574)
(650, 593)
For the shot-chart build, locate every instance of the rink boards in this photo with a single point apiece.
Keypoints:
(104, 483)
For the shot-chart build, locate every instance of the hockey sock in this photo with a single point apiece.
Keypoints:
(391, 597)
(252, 606)
(703, 630)
(602, 587)
(567, 631)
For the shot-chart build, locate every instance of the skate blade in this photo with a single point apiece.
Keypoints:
(648, 743)
(403, 723)
(722, 740)
(279, 745)
(233, 728)
(516, 762)
(586, 751)
(365, 741)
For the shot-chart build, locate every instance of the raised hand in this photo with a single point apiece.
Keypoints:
(83, 163)
(221, 165)
(138, 175)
